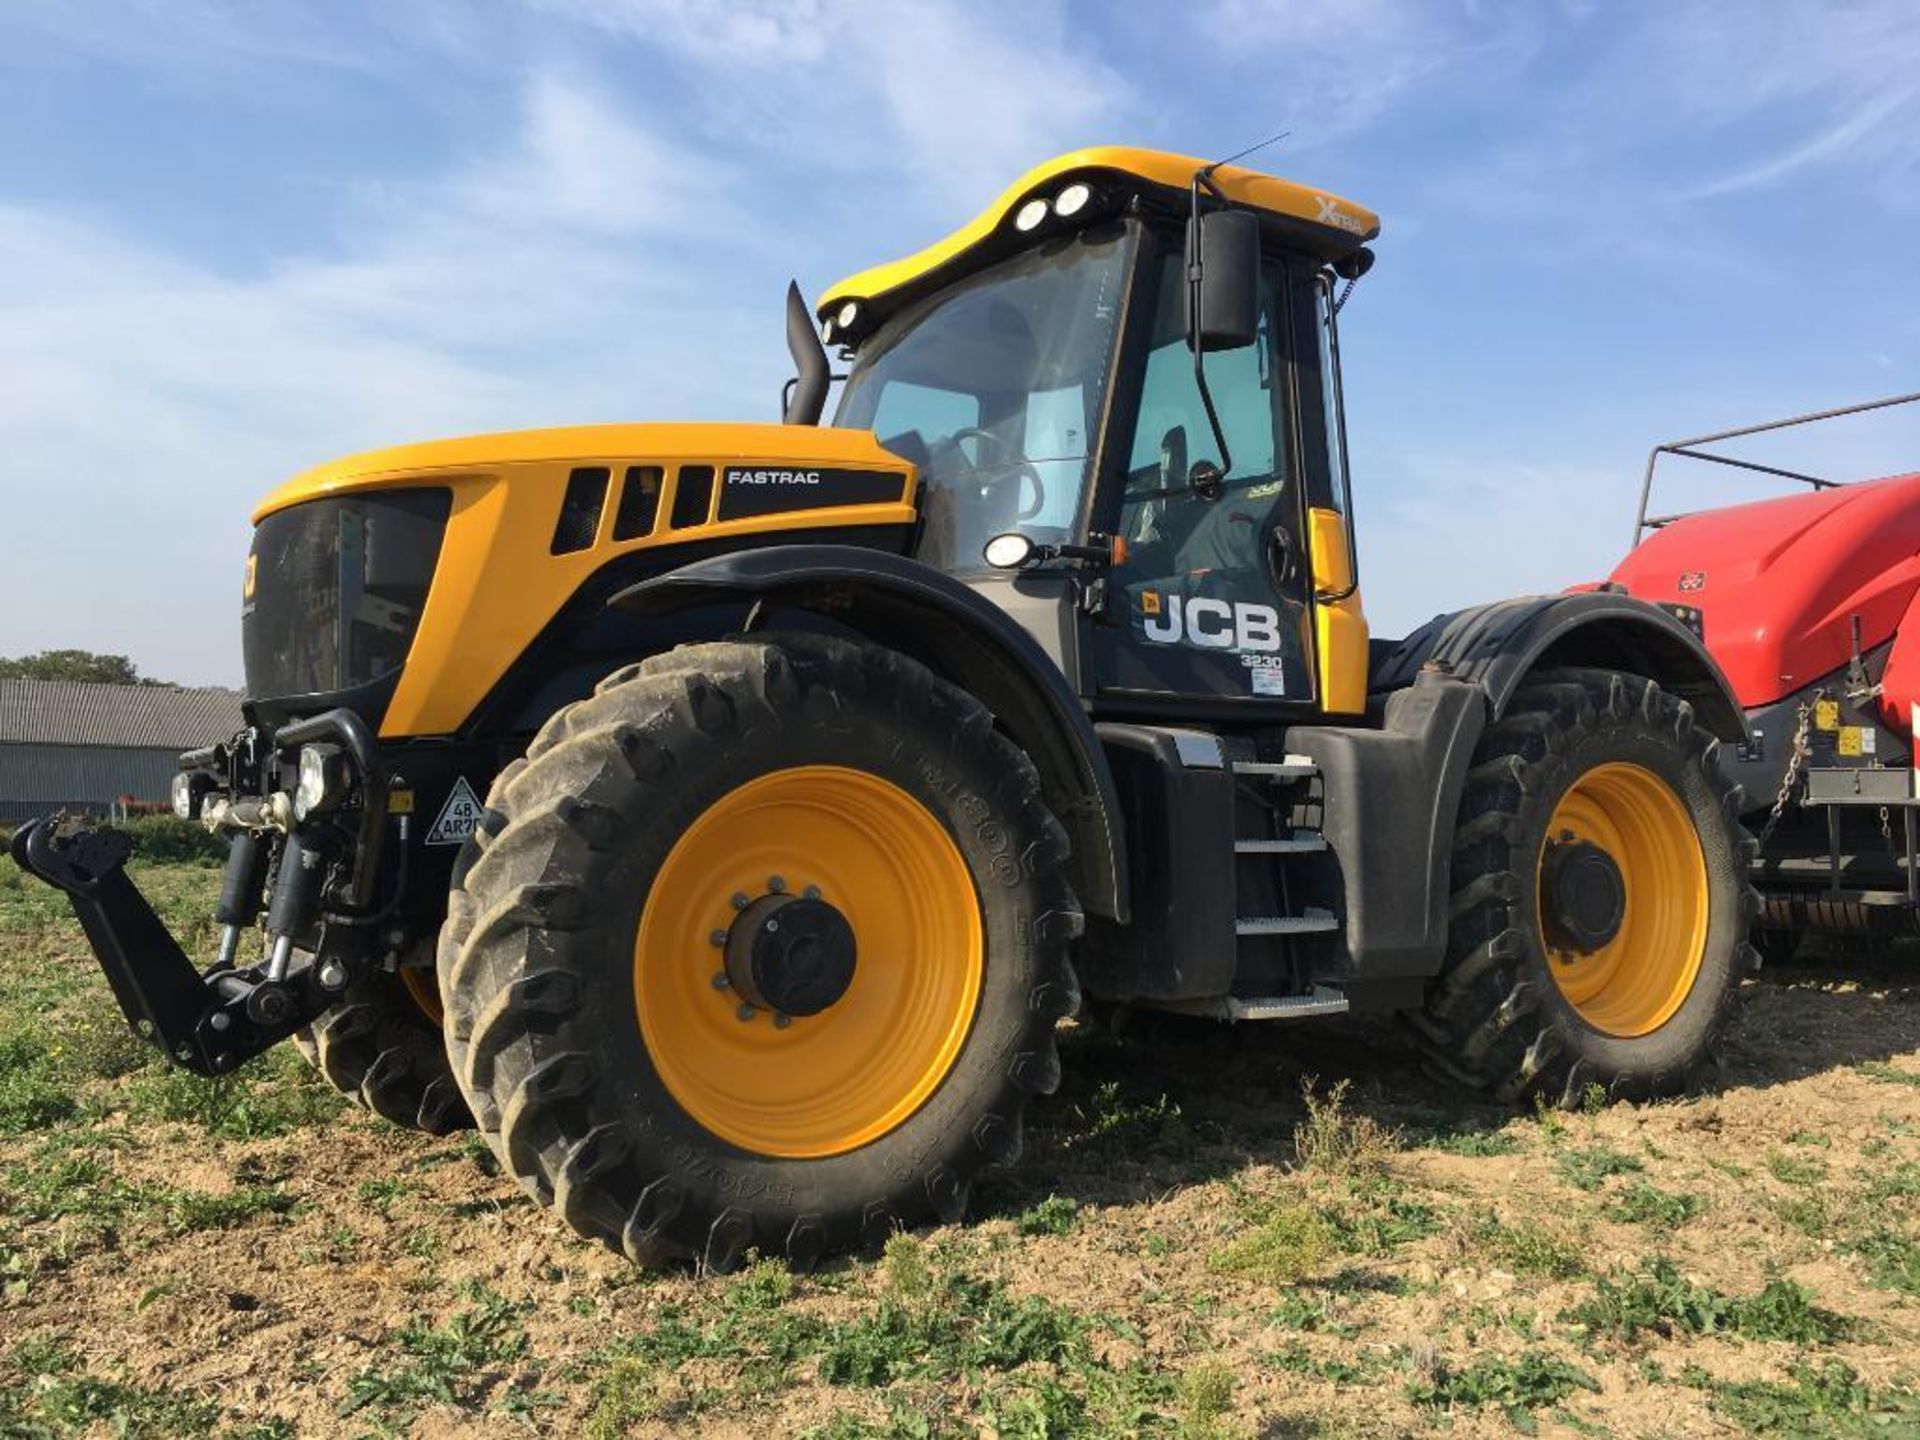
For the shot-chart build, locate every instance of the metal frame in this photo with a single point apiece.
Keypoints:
(1686, 448)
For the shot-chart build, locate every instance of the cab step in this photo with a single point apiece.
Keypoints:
(1294, 767)
(1301, 842)
(1321, 1000)
(1312, 921)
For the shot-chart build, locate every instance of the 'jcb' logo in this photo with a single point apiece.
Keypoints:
(1215, 625)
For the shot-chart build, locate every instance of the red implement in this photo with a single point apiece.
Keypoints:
(1779, 583)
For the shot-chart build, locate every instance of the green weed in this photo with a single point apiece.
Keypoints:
(1333, 1140)
(1587, 1168)
(1795, 1169)
(1643, 1203)
(1055, 1215)
(281, 1093)
(1827, 1399)
(447, 1362)
(1661, 1300)
(35, 1093)
(63, 1398)
(1881, 1070)
(1477, 1144)
(1206, 1398)
(1287, 1242)
(1525, 1248)
(1517, 1387)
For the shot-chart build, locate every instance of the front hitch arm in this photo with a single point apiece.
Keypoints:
(207, 1023)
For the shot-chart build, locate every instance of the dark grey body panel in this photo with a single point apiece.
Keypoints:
(1391, 797)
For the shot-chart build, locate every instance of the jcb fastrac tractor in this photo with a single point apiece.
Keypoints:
(722, 817)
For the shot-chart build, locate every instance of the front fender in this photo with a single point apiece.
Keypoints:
(932, 617)
(1498, 645)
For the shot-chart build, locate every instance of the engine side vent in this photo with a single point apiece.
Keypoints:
(580, 511)
(639, 502)
(692, 496)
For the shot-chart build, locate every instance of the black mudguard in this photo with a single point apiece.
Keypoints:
(939, 621)
(1497, 646)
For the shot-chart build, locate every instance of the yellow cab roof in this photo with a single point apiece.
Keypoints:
(1331, 225)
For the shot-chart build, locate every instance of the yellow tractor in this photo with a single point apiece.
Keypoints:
(722, 817)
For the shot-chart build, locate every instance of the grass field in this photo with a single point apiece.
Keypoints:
(1281, 1231)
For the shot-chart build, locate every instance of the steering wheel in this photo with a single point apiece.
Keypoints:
(1020, 469)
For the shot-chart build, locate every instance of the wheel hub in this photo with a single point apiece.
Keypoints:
(791, 954)
(1584, 897)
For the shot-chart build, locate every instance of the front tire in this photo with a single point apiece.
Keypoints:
(762, 946)
(381, 1047)
(1601, 905)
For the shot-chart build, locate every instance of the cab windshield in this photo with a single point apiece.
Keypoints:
(993, 388)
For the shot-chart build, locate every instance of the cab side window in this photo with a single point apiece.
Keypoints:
(1171, 528)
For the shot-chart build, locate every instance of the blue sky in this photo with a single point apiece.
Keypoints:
(236, 239)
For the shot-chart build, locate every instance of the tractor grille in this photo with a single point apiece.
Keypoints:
(335, 588)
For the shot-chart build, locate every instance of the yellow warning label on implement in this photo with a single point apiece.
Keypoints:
(1826, 714)
(400, 802)
(1850, 740)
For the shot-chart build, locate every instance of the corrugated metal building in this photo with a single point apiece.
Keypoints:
(88, 747)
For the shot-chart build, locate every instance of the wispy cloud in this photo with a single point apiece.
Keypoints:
(950, 97)
(515, 289)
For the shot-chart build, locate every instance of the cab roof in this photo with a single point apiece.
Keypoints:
(1322, 223)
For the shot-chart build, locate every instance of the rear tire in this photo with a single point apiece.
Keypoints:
(592, 911)
(382, 1048)
(1583, 754)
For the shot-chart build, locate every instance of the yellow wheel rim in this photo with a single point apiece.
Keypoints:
(424, 989)
(830, 1082)
(1633, 984)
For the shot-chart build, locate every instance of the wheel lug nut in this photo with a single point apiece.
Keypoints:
(772, 925)
(722, 980)
(740, 900)
(746, 1011)
(718, 939)
(780, 1022)
(776, 884)
(812, 892)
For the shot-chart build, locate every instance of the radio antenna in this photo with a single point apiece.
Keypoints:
(1251, 149)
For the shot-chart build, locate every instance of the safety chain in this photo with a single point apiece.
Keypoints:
(1802, 749)
(1344, 293)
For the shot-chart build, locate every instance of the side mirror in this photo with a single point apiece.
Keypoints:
(1228, 251)
(1010, 551)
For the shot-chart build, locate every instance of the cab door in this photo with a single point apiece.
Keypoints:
(1213, 600)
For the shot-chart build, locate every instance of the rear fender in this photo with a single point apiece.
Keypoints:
(925, 614)
(1498, 646)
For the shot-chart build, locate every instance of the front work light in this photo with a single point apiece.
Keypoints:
(322, 780)
(1073, 199)
(1029, 215)
(182, 795)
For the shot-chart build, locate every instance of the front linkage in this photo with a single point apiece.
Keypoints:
(317, 850)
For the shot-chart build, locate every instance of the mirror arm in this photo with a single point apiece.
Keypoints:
(1195, 279)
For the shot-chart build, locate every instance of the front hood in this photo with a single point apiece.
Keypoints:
(756, 446)
(534, 518)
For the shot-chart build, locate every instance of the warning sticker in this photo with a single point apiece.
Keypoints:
(458, 816)
(1268, 680)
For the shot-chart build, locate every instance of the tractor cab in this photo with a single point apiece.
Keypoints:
(1169, 445)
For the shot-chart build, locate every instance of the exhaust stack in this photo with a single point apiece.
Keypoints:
(809, 393)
